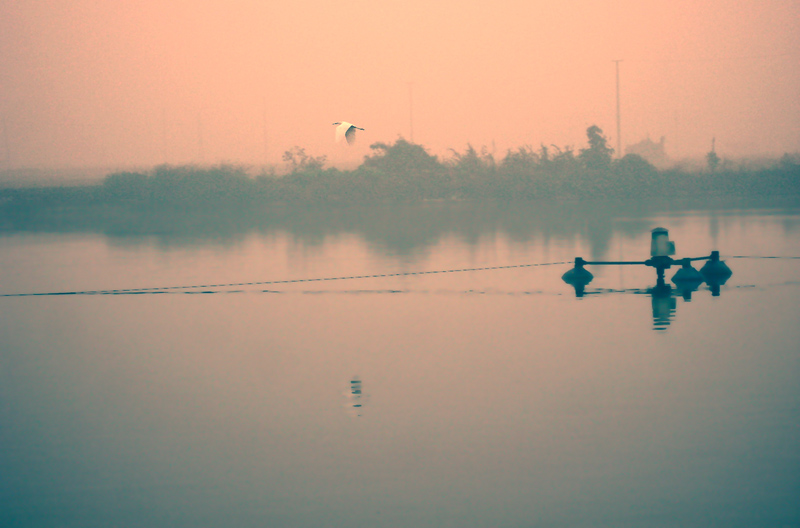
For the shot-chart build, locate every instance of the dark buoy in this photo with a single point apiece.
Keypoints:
(715, 270)
(578, 277)
(687, 279)
(687, 275)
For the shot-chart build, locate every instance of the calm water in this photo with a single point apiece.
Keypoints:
(470, 399)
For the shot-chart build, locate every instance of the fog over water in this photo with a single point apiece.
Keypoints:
(87, 83)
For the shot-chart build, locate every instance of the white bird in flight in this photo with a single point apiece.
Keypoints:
(346, 131)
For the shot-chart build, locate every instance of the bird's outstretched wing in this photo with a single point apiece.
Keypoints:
(341, 131)
(350, 135)
(346, 131)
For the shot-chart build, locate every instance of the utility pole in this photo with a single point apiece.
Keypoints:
(164, 135)
(619, 126)
(264, 131)
(7, 157)
(411, 110)
(200, 145)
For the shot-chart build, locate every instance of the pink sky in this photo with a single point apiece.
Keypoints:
(93, 82)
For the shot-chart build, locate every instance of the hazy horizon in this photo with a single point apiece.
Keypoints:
(91, 84)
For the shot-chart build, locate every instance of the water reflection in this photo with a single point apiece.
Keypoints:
(687, 279)
(355, 397)
(663, 297)
(664, 306)
(402, 229)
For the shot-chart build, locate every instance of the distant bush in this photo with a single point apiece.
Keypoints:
(126, 186)
(402, 171)
(298, 161)
(186, 185)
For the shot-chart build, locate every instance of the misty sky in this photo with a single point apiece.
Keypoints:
(95, 82)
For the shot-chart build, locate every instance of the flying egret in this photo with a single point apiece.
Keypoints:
(346, 131)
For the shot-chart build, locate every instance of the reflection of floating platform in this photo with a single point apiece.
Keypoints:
(687, 279)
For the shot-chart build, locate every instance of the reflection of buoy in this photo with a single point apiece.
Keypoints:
(687, 279)
(715, 270)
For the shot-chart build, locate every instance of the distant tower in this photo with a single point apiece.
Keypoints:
(201, 154)
(411, 111)
(711, 158)
(619, 120)
(7, 148)
(264, 132)
(164, 135)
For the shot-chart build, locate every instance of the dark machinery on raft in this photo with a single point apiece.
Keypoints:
(687, 279)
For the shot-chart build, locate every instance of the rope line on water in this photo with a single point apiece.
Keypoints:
(286, 281)
(324, 279)
(761, 257)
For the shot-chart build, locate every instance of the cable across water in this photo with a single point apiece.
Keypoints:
(156, 289)
(285, 281)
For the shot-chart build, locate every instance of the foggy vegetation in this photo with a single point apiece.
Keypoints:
(230, 198)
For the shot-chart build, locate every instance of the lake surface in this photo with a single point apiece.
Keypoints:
(494, 398)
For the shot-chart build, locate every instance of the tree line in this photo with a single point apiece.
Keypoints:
(405, 172)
